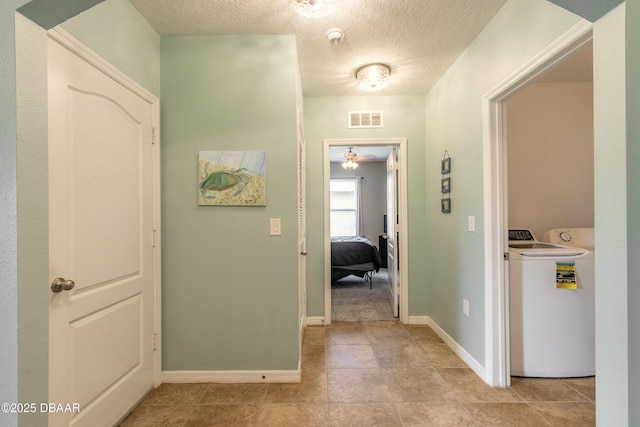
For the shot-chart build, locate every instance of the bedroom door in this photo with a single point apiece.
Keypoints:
(101, 243)
(393, 231)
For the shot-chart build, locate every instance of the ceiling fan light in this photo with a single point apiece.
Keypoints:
(373, 77)
(350, 160)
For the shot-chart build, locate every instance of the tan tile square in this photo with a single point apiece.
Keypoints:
(363, 414)
(382, 324)
(441, 355)
(505, 414)
(544, 389)
(170, 393)
(294, 415)
(347, 336)
(311, 388)
(423, 335)
(387, 334)
(585, 386)
(224, 416)
(350, 356)
(567, 414)
(407, 355)
(313, 357)
(234, 393)
(344, 324)
(434, 414)
(159, 415)
(468, 387)
(417, 385)
(314, 335)
(357, 385)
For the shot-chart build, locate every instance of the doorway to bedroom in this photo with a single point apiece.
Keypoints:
(365, 211)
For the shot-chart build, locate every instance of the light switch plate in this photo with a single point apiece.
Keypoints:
(472, 223)
(275, 228)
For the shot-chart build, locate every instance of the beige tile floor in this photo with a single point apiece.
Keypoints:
(373, 374)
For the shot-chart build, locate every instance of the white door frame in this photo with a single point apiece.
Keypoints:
(497, 367)
(79, 49)
(401, 145)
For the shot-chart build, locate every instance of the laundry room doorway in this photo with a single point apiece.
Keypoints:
(374, 223)
(556, 65)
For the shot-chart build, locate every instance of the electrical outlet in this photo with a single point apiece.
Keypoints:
(465, 307)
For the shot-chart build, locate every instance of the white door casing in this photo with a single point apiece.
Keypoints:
(497, 365)
(103, 236)
(400, 145)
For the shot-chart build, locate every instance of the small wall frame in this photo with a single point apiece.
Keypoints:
(445, 185)
(445, 205)
(445, 166)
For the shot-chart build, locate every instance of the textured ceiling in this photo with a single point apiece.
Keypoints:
(419, 39)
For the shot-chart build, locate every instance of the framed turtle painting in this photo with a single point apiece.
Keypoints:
(232, 178)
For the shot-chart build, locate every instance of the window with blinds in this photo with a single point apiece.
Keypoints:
(344, 207)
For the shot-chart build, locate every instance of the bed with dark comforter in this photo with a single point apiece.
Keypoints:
(353, 255)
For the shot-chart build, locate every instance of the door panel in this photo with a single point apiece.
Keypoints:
(92, 340)
(106, 200)
(101, 225)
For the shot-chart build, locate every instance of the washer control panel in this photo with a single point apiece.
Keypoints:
(521, 235)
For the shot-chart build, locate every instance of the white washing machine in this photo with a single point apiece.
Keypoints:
(551, 308)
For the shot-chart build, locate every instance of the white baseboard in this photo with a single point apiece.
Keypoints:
(419, 320)
(231, 376)
(315, 321)
(457, 349)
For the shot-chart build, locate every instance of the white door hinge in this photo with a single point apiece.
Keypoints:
(155, 342)
(153, 135)
(155, 238)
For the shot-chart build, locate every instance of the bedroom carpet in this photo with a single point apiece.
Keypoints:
(352, 300)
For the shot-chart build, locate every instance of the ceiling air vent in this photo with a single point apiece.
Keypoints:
(365, 119)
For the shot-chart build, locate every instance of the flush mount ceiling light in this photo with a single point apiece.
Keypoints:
(372, 77)
(350, 160)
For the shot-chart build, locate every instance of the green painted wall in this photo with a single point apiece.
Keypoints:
(633, 201)
(591, 10)
(454, 260)
(8, 211)
(326, 118)
(49, 13)
(116, 31)
(230, 290)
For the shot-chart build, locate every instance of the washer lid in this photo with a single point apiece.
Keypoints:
(543, 249)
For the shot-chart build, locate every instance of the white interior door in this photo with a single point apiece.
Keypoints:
(101, 331)
(393, 231)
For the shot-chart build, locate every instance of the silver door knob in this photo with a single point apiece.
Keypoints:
(59, 284)
(303, 253)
